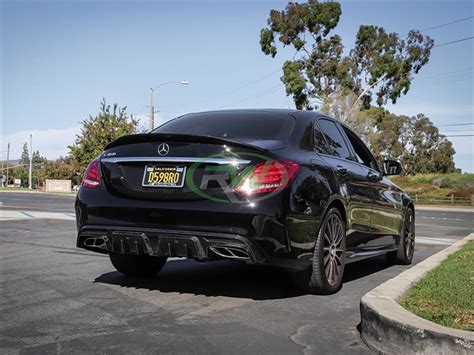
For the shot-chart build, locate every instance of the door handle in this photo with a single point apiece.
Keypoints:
(373, 176)
(341, 170)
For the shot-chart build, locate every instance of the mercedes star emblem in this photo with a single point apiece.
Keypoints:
(163, 149)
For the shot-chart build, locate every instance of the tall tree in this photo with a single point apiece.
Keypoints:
(386, 61)
(414, 140)
(428, 150)
(343, 105)
(109, 124)
(25, 156)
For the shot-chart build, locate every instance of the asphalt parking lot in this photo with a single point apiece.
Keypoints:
(60, 299)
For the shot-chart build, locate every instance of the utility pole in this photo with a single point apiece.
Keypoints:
(30, 186)
(152, 111)
(8, 160)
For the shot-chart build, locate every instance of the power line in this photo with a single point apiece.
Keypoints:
(459, 135)
(252, 82)
(446, 81)
(457, 131)
(279, 69)
(442, 25)
(452, 42)
(446, 24)
(243, 86)
(262, 93)
(455, 124)
(446, 74)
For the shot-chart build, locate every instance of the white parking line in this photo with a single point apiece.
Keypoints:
(434, 241)
(9, 215)
(445, 219)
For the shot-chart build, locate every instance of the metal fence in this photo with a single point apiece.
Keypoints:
(443, 200)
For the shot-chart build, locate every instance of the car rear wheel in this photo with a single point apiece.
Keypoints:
(326, 272)
(406, 247)
(137, 265)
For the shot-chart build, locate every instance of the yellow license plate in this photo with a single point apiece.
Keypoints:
(164, 176)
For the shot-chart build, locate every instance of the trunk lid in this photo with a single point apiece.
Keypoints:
(211, 164)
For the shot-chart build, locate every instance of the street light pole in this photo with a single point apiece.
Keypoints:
(8, 161)
(152, 108)
(30, 186)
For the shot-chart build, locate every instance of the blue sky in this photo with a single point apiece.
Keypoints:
(60, 58)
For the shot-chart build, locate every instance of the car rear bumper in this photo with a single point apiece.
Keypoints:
(202, 230)
(171, 243)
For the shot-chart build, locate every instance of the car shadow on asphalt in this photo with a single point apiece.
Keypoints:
(364, 268)
(229, 278)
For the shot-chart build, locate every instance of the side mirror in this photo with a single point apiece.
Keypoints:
(392, 167)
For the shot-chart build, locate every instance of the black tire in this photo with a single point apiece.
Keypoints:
(137, 265)
(329, 252)
(406, 246)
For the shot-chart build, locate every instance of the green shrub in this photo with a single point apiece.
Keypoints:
(457, 181)
(459, 185)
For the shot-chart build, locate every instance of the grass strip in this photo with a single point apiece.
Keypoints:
(446, 295)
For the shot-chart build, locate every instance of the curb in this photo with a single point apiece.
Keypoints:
(387, 327)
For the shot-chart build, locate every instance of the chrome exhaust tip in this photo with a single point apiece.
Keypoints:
(96, 242)
(231, 253)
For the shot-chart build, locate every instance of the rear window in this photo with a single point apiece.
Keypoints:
(232, 125)
(337, 144)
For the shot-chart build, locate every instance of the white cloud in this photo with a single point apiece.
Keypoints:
(144, 120)
(51, 143)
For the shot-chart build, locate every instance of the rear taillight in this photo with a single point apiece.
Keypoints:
(91, 177)
(267, 177)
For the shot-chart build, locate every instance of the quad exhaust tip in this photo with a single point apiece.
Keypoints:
(96, 242)
(231, 253)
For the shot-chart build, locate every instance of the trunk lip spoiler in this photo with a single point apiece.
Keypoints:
(169, 137)
(220, 161)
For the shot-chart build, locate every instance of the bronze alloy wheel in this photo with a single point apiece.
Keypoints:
(406, 247)
(333, 253)
(324, 276)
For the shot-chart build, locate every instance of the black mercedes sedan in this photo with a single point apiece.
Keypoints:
(290, 189)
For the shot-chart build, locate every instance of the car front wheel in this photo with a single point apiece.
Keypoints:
(326, 272)
(137, 265)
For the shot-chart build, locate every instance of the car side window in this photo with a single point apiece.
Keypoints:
(319, 143)
(363, 154)
(336, 144)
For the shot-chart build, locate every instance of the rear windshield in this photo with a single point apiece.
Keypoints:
(232, 125)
